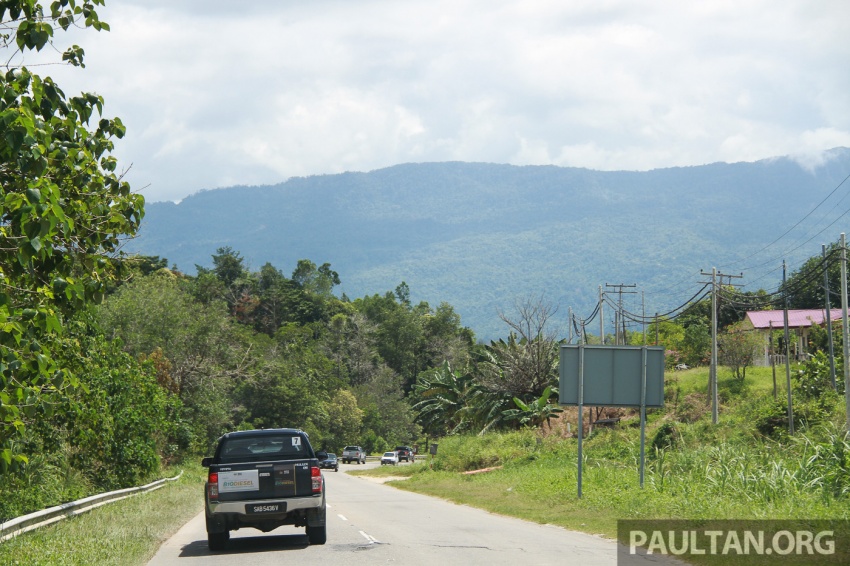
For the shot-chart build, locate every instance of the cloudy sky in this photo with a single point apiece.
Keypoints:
(216, 92)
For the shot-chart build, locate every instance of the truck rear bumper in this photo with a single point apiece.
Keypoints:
(231, 515)
(292, 504)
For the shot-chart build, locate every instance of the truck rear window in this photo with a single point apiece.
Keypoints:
(264, 447)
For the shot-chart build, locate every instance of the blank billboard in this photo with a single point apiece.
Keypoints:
(612, 375)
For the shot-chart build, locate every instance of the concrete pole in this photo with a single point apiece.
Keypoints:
(601, 319)
(657, 322)
(787, 355)
(844, 329)
(713, 369)
(828, 308)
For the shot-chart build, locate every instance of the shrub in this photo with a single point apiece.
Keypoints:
(770, 417)
(814, 380)
(665, 437)
(692, 408)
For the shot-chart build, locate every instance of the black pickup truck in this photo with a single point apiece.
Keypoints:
(405, 453)
(264, 479)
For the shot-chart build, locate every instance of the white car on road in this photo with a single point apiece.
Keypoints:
(389, 458)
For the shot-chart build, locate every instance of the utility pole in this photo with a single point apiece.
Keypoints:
(712, 376)
(772, 355)
(844, 327)
(601, 318)
(643, 314)
(712, 368)
(787, 356)
(656, 328)
(827, 308)
(619, 313)
(570, 325)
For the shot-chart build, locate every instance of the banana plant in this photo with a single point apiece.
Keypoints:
(536, 412)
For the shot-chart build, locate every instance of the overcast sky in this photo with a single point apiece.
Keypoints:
(216, 93)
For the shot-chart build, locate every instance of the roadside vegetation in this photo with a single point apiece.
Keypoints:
(694, 469)
(122, 533)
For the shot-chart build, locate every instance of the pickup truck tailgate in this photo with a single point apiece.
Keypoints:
(263, 480)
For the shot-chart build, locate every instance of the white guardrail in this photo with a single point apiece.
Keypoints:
(18, 525)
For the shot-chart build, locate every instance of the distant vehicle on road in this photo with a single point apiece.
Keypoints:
(331, 463)
(389, 458)
(405, 453)
(353, 454)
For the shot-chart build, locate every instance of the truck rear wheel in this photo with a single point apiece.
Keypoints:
(217, 541)
(317, 535)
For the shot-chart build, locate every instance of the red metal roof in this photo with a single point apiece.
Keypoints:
(796, 318)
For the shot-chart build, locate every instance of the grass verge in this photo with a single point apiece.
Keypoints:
(122, 533)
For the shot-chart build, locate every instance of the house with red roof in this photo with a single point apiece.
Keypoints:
(800, 322)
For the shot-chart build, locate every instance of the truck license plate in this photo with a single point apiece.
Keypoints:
(266, 508)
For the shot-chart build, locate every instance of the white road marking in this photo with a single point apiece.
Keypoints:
(342, 517)
(370, 538)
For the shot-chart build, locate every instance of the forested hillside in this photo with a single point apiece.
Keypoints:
(481, 236)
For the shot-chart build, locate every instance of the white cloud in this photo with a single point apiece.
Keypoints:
(217, 92)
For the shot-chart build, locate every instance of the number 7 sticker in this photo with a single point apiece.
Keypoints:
(296, 441)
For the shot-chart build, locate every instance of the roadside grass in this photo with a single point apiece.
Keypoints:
(696, 470)
(122, 533)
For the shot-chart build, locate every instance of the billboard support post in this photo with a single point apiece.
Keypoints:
(643, 417)
(580, 411)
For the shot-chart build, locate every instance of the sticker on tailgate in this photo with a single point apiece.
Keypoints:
(245, 480)
(285, 480)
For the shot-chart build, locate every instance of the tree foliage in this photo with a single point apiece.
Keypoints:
(804, 287)
(63, 211)
(737, 348)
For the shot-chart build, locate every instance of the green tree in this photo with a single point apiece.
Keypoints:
(398, 334)
(386, 413)
(206, 353)
(444, 339)
(237, 284)
(63, 210)
(344, 420)
(123, 421)
(737, 348)
(804, 287)
(320, 281)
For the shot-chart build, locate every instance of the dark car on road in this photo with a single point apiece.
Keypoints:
(405, 453)
(331, 463)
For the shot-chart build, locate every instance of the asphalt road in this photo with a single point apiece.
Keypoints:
(371, 523)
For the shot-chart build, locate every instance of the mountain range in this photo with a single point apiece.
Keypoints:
(484, 236)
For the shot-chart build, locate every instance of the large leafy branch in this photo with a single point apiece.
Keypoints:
(64, 211)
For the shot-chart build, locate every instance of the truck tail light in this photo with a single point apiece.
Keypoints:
(212, 486)
(316, 476)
